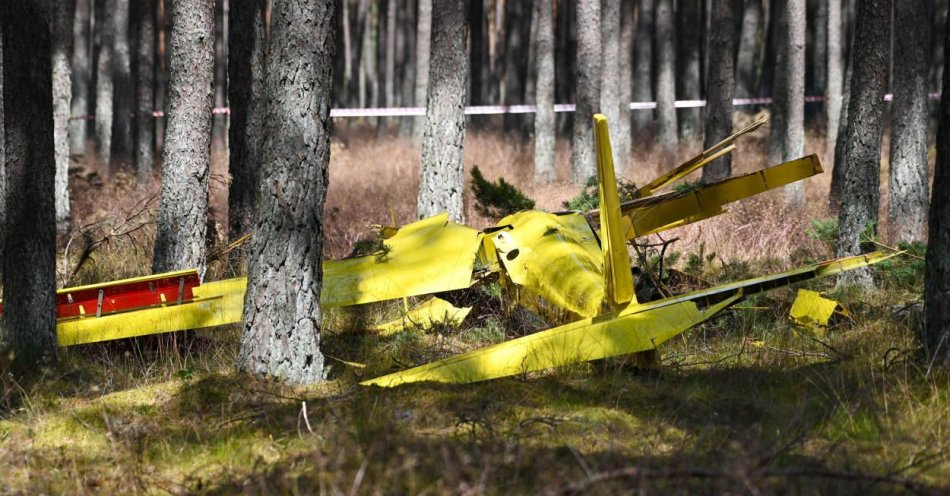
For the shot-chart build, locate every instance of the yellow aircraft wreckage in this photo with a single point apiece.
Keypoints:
(571, 268)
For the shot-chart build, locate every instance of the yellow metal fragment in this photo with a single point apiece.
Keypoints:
(617, 276)
(215, 303)
(811, 309)
(613, 334)
(428, 256)
(428, 313)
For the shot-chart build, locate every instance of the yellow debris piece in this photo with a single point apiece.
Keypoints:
(428, 313)
(215, 303)
(630, 331)
(617, 275)
(811, 309)
(428, 256)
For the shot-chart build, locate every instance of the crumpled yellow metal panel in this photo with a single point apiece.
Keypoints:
(215, 303)
(811, 309)
(617, 276)
(554, 258)
(608, 335)
(428, 256)
(428, 313)
(657, 213)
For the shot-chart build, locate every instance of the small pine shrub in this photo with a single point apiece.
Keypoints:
(588, 198)
(499, 198)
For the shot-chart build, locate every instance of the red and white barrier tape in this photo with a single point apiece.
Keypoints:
(511, 109)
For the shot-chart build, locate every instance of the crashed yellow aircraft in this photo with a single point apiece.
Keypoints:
(568, 267)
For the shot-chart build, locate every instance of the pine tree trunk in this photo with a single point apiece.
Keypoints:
(688, 44)
(423, 41)
(29, 272)
(442, 183)
(818, 63)
(787, 133)
(643, 72)
(833, 93)
(163, 20)
(517, 31)
(143, 12)
(405, 65)
(345, 23)
(666, 79)
(587, 86)
(81, 76)
(246, 68)
(909, 182)
(610, 77)
(624, 62)
(104, 83)
(390, 81)
(61, 27)
(862, 149)
(936, 336)
(282, 305)
(3, 168)
(749, 49)
(219, 122)
(719, 88)
(183, 211)
(544, 124)
(122, 104)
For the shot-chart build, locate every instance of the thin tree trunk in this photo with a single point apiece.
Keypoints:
(588, 89)
(122, 105)
(787, 133)
(610, 78)
(162, 19)
(719, 87)
(820, 32)
(838, 172)
(643, 71)
(516, 60)
(29, 273)
(624, 63)
(81, 75)
(544, 123)
(688, 45)
(750, 42)
(246, 68)
(104, 83)
(62, 39)
(666, 79)
(909, 182)
(183, 210)
(405, 65)
(423, 41)
(442, 184)
(347, 46)
(282, 305)
(144, 73)
(936, 336)
(219, 122)
(862, 154)
(833, 94)
(3, 168)
(390, 81)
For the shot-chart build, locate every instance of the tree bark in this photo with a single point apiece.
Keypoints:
(643, 71)
(3, 168)
(610, 77)
(122, 104)
(719, 87)
(544, 124)
(587, 86)
(936, 336)
(81, 74)
(29, 272)
(688, 45)
(909, 182)
(282, 305)
(104, 83)
(183, 210)
(423, 42)
(624, 63)
(390, 81)
(246, 68)
(818, 63)
(442, 182)
(749, 49)
(143, 12)
(862, 152)
(787, 127)
(219, 122)
(62, 13)
(666, 79)
(833, 92)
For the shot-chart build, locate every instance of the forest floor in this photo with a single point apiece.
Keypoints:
(747, 403)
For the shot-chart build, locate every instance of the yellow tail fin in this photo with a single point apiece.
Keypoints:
(617, 276)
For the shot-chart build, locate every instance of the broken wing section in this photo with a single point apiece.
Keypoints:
(428, 256)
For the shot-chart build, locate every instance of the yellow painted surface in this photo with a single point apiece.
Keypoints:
(424, 257)
(428, 313)
(154, 277)
(812, 309)
(216, 303)
(617, 276)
